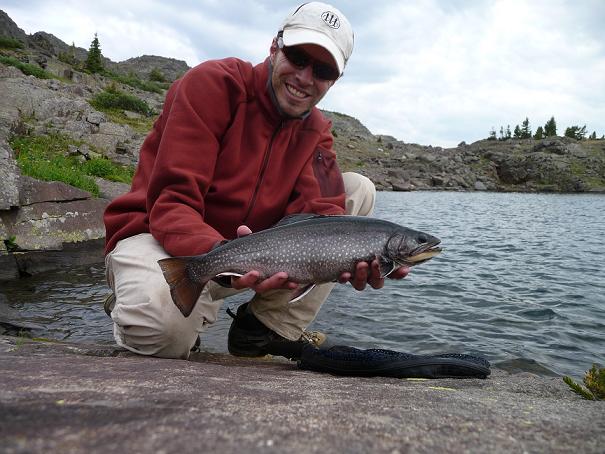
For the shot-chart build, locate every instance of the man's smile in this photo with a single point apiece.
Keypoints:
(295, 92)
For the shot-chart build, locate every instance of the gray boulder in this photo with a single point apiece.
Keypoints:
(9, 177)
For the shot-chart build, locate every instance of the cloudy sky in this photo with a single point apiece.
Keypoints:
(433, 72)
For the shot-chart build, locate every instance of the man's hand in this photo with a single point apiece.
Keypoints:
(370, 274)
(252, 280)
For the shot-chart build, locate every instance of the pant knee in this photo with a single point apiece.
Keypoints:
(360, 194)
(152, 336)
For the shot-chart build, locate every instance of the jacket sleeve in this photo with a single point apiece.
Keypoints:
(186, 157)
(319, 188)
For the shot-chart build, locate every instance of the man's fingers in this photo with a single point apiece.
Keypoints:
(278, 280)
(360, 280)
(399, 273)
(252, 281)
(375, 280)
(344, 278)
(243, 230)
(248, 280)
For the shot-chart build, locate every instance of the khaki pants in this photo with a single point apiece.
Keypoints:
(147, 322)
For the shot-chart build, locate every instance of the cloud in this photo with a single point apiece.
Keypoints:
(426, 71)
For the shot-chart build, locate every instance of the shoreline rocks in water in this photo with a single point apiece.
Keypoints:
(92, 398)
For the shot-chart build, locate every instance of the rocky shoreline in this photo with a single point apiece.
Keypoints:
(61, 397)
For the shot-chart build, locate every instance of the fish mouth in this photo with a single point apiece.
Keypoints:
(423, 253)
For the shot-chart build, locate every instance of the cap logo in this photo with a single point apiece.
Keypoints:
(331, 19)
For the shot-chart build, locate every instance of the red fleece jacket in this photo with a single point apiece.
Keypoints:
(220, 155)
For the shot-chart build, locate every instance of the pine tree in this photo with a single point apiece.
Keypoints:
(508, 133)
(539, 133)
(502, 136)
(550, 128)
(94, 61)
(69, 57)
(575, 132)
(525, 129)
(593, 136)
(517, 132)
(492, 134)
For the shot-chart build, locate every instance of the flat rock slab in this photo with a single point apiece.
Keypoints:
(57, 397)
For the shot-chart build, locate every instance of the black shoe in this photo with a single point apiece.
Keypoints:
(249, 337)
(197, 347)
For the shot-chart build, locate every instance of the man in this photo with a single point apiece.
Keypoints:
(236, 148)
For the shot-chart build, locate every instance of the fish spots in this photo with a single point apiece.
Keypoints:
(312, 250)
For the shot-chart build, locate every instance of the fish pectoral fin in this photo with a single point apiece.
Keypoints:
(301, 292)
(224, 279)
(184, 291)
(386, 266)
(229, 273)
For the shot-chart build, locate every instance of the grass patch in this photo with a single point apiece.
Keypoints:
(111, 98)
(113, 102)
(26, 68)
(45, 158)
(142, 125)
(104, 168)
(6, 42)
(594, 380)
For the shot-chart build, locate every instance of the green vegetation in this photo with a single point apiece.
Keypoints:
(94, 60)
(113, 102)
(26, 68)
(45, 158)
(142, 124)
(594, 380)
(156, 76)
(539, 135)
(549, 130)
(112, 98)
(69, 57)
(94, 64)
(6, 42)
(575, 132)
(134, 81)
(10, 244)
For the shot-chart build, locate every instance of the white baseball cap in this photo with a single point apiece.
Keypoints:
(321, 24)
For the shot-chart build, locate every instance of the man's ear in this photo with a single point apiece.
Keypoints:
(273, 50)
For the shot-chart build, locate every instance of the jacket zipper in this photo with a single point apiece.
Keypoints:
(262, 171)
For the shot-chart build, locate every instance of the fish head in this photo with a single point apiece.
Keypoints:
(408, 247)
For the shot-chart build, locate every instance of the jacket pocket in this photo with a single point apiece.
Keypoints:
(327, 173)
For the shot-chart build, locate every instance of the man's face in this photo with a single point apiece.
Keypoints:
(297, 90)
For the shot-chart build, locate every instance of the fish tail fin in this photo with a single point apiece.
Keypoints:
(184, 290)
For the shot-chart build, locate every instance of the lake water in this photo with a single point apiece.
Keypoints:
(521, 282)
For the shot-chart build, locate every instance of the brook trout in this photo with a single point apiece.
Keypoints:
(311, 249)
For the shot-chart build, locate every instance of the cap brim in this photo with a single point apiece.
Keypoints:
(295, 37)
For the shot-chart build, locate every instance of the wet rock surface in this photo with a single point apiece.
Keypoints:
(59, 397)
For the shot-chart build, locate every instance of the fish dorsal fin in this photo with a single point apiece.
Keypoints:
(293, 218)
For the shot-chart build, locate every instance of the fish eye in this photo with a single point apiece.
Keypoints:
(422, 238)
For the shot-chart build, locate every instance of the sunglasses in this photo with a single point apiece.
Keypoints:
(301, 59)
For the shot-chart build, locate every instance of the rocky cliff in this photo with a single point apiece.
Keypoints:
(37, 217)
